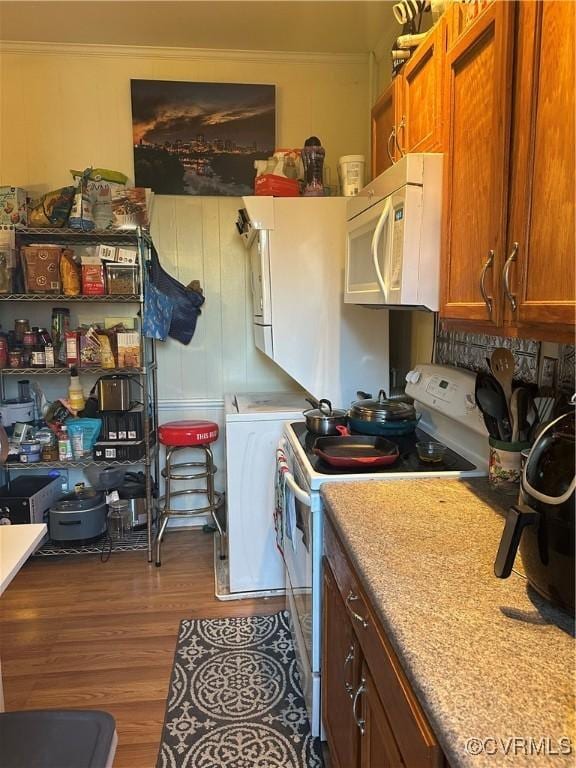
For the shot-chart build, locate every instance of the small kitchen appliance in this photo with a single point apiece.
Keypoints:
(78, 518)
(114, 393)
(14, 410)
(541, 525)
(28, 498)
(393, 236)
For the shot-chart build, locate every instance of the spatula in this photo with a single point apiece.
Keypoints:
(502, 366)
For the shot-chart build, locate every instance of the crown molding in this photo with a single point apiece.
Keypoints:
(181, 54)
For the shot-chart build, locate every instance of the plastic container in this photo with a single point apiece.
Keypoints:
(351, 174)
(75, 393)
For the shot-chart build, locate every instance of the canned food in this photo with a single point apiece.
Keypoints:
(15, 358)
(30, 451)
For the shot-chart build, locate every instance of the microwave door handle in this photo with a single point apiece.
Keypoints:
(375, 243)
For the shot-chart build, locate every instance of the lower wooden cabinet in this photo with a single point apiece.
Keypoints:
(371, 716)
(340, 676)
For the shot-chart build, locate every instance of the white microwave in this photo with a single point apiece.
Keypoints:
(393, 237)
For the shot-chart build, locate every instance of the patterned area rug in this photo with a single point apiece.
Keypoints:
(235, 698)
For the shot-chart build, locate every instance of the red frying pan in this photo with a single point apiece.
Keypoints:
(356, 450)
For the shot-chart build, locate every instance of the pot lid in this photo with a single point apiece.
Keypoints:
(381, 408)
(84, 501)
(323, 410)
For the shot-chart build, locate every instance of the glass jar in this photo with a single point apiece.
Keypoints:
(119, 519)
(20, 328)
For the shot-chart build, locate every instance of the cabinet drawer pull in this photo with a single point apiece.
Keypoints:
(487, 299)
(356, 616)
(349, 658)
(506, 275)
(360, 722)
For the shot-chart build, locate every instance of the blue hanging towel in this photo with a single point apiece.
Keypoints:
(157, 313)
(186, 303)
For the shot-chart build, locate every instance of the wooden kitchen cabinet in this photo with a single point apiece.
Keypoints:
(460, 16)
(478, 78)
(340, 676)
(539, 275)
(420, 126)
(371, 716)
(508, 225)
(386, 115)
(408, 116)
(379, 747)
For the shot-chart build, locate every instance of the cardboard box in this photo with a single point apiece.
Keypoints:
(13, 207)
(128, 350)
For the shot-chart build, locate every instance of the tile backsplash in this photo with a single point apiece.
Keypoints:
(470, 350)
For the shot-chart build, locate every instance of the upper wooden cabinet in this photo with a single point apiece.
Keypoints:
(508, 227)
(386, 115)
(478, 98)
(460, 16)
(420, 126)
(539, 276)
(408, 116)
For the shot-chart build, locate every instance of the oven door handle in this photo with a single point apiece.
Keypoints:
(288, 477)
(296, 490)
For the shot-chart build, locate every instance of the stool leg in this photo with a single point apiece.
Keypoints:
(212, 498)
(164, 514)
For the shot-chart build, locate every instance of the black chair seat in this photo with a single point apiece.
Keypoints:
(57, 738)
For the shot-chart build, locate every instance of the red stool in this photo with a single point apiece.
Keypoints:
(178, 436)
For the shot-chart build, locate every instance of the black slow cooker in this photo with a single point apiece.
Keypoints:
(541, 525)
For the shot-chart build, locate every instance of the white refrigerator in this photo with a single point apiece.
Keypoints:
(253, 429)
(296, 250)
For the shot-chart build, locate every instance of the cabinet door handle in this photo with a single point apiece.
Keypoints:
(349, 658)
(356, 616)
(396, 134)
(487, 299)
(506, 275)
(360, 722)
(392, 137)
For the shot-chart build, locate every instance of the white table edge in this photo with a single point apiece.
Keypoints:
(25, 538)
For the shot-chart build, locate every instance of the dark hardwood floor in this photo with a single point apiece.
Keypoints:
(76, 632)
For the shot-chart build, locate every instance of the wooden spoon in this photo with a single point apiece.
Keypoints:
(515, 414)
(502, 365)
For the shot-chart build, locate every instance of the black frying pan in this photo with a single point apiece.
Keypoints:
(356, 450)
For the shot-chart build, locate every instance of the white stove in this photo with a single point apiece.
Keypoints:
(445, 399)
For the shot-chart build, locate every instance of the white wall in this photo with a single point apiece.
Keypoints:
(68, 106)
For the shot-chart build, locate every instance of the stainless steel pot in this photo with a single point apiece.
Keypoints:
(380, 409)
(322, 419)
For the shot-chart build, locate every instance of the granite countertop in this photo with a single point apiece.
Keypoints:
(487, 658)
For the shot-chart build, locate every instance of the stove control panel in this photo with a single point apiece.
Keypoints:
(446, 390)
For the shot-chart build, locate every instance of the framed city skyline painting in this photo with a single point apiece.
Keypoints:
(200, 138)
